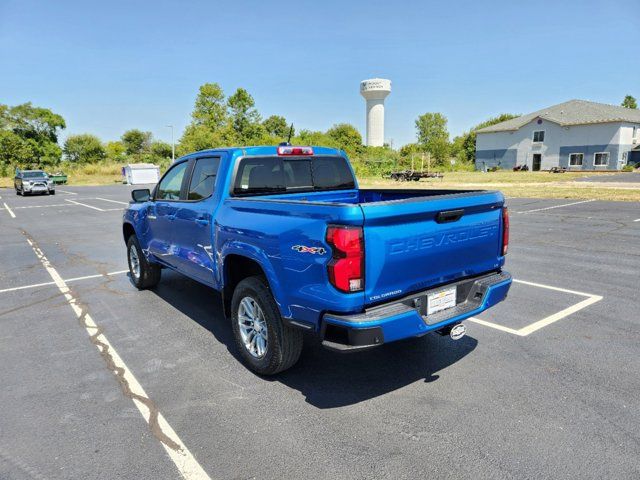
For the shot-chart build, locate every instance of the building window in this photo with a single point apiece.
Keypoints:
(575, 159)
(601, 159)
(538, 136)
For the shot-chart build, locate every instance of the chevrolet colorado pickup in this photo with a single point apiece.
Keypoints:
(293, 245)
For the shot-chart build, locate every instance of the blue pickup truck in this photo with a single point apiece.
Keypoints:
(293, 245)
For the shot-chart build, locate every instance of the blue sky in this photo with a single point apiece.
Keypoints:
(110, 66)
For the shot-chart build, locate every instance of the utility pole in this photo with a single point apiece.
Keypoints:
(173, 145)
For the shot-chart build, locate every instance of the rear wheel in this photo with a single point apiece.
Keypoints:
(266, 345)
(143, 273)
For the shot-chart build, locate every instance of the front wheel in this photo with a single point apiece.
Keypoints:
(266, 345)
(143, 273)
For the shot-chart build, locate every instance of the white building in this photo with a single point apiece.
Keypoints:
(577, 134)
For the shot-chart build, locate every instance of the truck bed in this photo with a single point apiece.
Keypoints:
(414, 239)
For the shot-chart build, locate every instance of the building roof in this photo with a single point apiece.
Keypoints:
(573, 112)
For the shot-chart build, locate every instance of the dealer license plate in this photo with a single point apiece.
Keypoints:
(436, 302)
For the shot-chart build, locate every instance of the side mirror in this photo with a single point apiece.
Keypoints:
(141, 195)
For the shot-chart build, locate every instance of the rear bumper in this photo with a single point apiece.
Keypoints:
(407, 317)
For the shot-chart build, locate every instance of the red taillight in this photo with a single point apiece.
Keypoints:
(505, 230)
(289, 150)
(346, 268)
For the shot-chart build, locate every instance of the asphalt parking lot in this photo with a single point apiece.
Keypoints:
(545, 385)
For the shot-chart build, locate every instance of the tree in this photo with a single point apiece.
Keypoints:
(40, 124)
(195, 138)
(244, 117)
(14, 150)
(160, 149)
(37, 128)
(346, 137)
(136, 141)
(431, 126)
(276, 126)
(629, 102)
(115, 151)
(83, 148)
(210, 108)
(433, 135)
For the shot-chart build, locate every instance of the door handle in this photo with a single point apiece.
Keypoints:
(449, 216)
(202, 221)
(151, 217)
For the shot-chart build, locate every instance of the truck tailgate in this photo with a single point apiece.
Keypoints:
(414, 244)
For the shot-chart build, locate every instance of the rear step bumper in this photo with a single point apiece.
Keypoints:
(407, 316)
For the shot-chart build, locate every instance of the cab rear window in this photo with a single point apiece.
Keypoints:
(263, 175)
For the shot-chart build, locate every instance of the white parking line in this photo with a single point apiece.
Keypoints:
(13, 215)
(65, 191)
(637, 220)
(535, 326)
(557, 206)
(187, 465)
(68, 280)
(114, 201)
(45, 206)
(84, 205)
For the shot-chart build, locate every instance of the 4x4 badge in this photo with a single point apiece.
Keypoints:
(312, 250)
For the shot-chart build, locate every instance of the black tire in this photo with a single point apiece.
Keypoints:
(17, 192)
(149, 273)
(284, 343)
(52, 192)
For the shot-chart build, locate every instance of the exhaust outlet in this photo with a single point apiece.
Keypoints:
(456, 332)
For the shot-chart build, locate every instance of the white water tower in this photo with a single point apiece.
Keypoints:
(374, 91)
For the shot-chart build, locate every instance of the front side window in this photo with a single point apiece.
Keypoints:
(575, 159)
(601, 159)
(538, 136)
(278, 175)
(171, 184)
(203, 178)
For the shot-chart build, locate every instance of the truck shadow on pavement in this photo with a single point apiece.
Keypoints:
(328, 379)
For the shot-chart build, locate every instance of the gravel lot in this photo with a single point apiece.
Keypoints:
(545, 385)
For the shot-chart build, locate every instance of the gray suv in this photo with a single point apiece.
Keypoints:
(33, 181)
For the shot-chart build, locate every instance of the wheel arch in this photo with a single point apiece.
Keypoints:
(127, 231)
(235, 268)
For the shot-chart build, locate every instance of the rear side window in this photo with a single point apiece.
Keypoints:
(171, 184)
(277, 175)
(203, 178)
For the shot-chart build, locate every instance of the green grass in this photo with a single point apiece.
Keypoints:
(523, 184)
(513, 184)
(104, 173)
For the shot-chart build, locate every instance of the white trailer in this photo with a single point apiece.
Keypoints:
(141, 173)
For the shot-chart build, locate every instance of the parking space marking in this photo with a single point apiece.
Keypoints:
(84, 205)
(545, 322)
(65, 191)
(114, 201)
(637, 220)
(557, 206)
(187, 465)
(13, 215)
(68, 280)
(45, 206)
